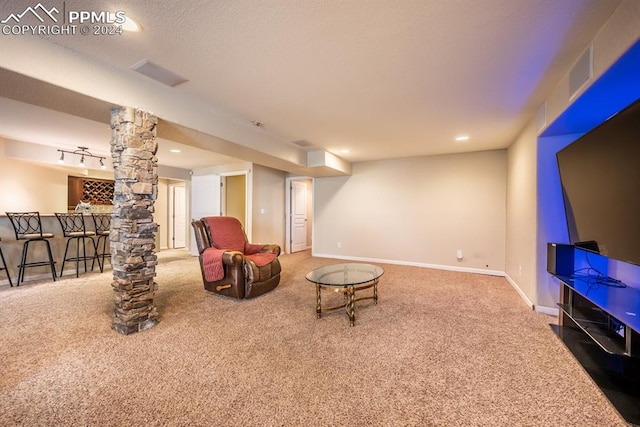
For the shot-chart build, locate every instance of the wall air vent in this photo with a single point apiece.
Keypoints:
(158, 73)
(581, 72)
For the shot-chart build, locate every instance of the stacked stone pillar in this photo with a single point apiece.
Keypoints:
(132, 235)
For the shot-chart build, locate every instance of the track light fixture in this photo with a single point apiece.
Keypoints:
(82, 152)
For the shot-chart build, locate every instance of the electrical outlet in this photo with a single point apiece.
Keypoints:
(339, 245)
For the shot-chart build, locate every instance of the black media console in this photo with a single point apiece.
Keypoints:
(607, 311)
(604, 308)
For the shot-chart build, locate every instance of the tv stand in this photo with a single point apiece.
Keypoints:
(603, 308)
(607, 314)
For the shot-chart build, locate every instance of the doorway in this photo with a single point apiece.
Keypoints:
(233, 196)
(178, 224)
(299, 221)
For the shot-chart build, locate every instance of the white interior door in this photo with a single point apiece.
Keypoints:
(205, 200)
(179, 217)
(299, 218)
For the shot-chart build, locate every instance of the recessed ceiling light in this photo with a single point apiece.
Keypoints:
(175, 150)
(344, 151)
(131, 25)
(462, 138)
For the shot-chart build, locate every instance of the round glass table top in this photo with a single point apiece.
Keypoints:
(348, 274)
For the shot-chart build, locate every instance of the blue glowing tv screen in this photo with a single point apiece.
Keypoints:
(600, 177)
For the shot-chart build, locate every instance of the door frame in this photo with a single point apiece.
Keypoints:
(288, 209)
(172, 217)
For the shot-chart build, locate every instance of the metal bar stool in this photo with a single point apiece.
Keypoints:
(102, 222)
(73, 229)
(4, 267)
(28, 227)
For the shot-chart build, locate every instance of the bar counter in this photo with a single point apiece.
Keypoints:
(12, 250)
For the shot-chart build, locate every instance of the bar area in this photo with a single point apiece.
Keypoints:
(52, 215)
(72, 241)
(33, 180)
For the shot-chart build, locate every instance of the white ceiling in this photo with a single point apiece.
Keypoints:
(381, 78)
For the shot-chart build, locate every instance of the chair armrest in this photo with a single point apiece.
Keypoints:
(233, 258)
(274, 249)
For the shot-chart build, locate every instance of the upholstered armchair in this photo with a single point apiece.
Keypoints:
(229, 264)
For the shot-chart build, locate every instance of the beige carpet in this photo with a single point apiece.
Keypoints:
(440, 349)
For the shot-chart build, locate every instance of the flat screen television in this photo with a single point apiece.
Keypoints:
(600, 177)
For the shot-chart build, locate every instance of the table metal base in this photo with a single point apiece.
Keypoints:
(349, 292)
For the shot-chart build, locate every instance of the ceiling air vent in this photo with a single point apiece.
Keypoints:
(303, 143)
(581, 72)
(158, 73)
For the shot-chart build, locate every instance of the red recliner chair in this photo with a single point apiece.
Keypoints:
(229, 264)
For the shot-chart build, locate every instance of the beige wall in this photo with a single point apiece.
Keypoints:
(417, 210)
(526, 242)
(26, 186)
(520, 259)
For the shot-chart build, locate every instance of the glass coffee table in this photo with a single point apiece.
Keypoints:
(346, 278)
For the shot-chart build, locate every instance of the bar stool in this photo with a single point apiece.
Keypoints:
(73, 229)
(4, 267)
(102, 222)
(28, 227)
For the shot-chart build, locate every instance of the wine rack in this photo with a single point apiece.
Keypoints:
(98, 192)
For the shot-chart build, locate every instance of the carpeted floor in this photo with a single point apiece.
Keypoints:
(441, 348)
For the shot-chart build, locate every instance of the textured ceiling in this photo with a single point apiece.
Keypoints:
(380, 78)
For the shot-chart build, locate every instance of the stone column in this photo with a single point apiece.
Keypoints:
(132, 235)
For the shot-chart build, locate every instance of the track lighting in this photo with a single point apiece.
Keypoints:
(82, 152)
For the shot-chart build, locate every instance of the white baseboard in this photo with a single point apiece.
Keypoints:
(520, 292)
(541, 309)
(551, 311)
(413, 264)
